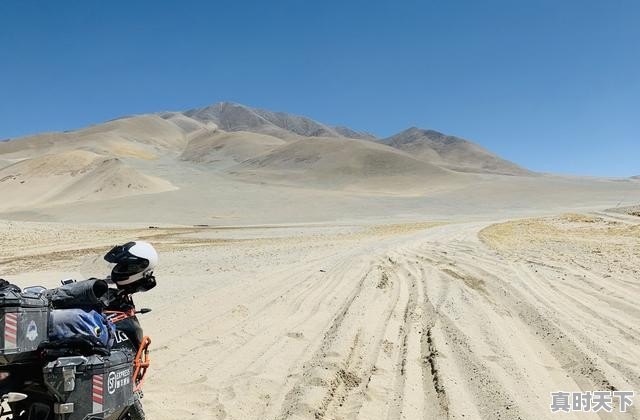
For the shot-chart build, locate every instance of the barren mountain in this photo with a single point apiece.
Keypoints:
(186, 124)
(635, 177)
(224, 148)
(72, 176)
(235, 117)
(345, 163)
(451, 152)
(223, 163)
(350, 133)
(143, 137)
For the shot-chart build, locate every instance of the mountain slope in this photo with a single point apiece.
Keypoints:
(236, 143)
(143, 137)
(4, 163)
(451, 152)
(186, 124)
(70, 177)
(345, 164)
(227, 148)
(235, 117)
(352, 134)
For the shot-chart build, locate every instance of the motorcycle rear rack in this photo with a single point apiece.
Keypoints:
(142, 360)
(141, 364)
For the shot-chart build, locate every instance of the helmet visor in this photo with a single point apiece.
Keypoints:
(130, 267)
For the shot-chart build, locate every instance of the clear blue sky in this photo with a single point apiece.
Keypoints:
(551, 84)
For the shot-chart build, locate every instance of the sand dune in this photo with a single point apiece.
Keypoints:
(452, 152)
(70, 177)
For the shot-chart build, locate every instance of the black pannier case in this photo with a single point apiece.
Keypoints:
(23, 325)
(100, 385)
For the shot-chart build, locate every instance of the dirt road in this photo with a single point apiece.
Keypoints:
(419, 325)
(407, 321)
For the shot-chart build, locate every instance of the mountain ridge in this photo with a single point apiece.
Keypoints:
(173, 167)
(431, 146)
(231, 116)
(198, 135)
(452, 152)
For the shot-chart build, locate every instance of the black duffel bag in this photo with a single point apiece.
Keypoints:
(85, 294)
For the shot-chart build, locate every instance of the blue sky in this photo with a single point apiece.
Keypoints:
(552, 85)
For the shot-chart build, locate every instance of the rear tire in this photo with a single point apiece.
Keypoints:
(136, 412)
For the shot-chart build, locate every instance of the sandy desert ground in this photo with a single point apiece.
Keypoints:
(421, 320)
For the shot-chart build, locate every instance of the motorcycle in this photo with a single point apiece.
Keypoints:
(47, 380)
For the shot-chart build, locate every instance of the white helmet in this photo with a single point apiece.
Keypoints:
(134, 265)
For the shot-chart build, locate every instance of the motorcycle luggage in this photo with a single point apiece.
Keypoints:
(23, 325)
(93, 387)
(67, 324)
(85, 294)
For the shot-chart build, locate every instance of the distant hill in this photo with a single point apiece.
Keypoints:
(232, 162)
(235, 117)
(430, 146)
(635, 177)
(347, 132)
(72, 176)
(224, 149)
(143, 136)
(198, 135)
(451, 152)
(228, 144)
(345, 163)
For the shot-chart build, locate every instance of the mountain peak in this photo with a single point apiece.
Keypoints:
(451, 152)
(350, 133)
(416, 134)
(231, 116)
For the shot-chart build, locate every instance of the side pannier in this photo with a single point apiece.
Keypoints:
(100, 385)
(24, 321)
